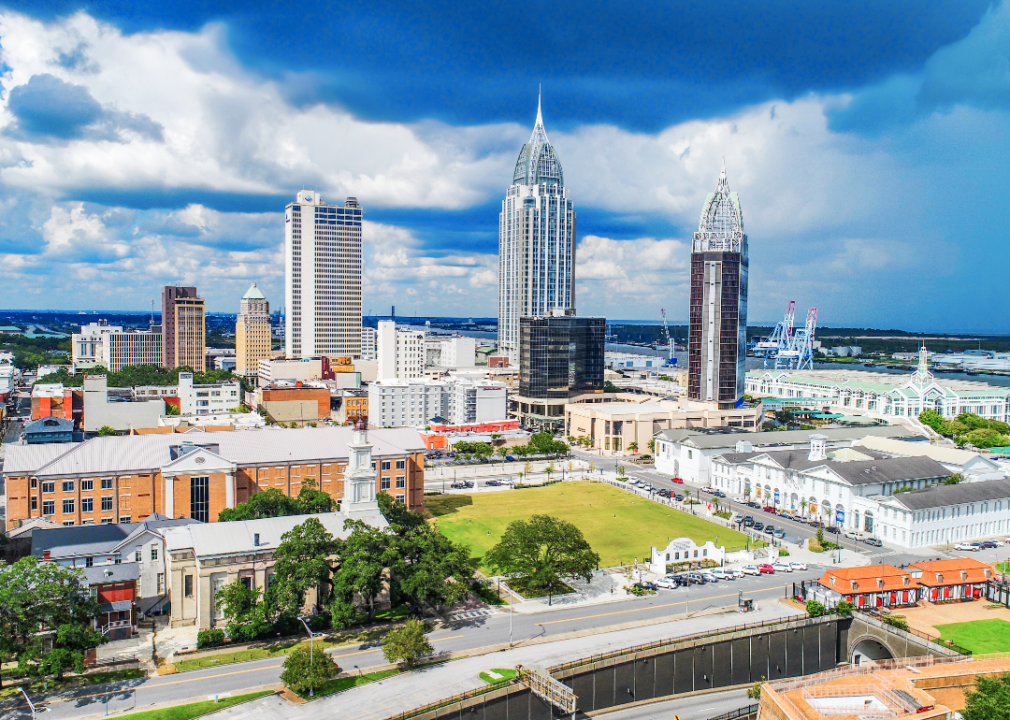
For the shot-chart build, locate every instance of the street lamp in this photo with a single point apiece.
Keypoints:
(312, 690)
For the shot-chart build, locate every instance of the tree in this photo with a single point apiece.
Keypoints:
(844, 607)
(52, 598)
(106, 431)
(815, 608)
(610, 387)
(633, 446)
(360, 571)
(542, 553)
(820, 536)
(953, 479)
(408, 644)
(754, 691)
(313, 500)
(301, 564)
(247, 617)
(307, 669)
(990, 700)
(652, 445)
(803, 507)
(171, 409)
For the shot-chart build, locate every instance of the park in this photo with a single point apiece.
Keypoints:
(619, 525)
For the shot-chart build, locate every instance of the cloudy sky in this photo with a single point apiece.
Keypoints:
(147, 143)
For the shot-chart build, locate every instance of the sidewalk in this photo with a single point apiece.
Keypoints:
(400, 693)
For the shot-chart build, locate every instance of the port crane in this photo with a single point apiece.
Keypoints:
(799, 355)
(670, 360)
(780, 338)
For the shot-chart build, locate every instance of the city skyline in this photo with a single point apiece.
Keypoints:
(863, 150)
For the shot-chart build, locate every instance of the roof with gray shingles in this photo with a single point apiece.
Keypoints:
(105, 574)
(140, 453)
(944, 495)
(90, 540)
(856, 472)
(714, 441)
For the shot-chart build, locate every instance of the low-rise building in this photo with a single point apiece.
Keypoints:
(294, 402)
(118, 413)
(412, 403)
(207, 399)
(954, 579)
(945, 514)
(353, 406)
(118, 478)
(688, 453)
(972, 466)
(48, 430)
(865, 587)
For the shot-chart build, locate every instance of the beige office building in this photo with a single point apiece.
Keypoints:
(252, 333)
(183, 320)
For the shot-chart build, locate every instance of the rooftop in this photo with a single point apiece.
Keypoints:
(714, 441)
(963, 492)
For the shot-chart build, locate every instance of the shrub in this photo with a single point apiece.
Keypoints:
(844, 607)
(754, 691)
(814, 546)
(210, 638)
(783, 552)
(815, 608)
(897, 621)
(408, 644)
(306, 670)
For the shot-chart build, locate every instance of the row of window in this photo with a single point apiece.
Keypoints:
(69, 505)
(401, 482)
(49, 486)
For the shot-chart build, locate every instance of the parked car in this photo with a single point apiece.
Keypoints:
(739, 500)
(754, 505)
(709, 577)
(769, 529)
(780, 533)
(719, 494)
(694, 578)
(873, 541)
(493, 483)
(830, 529)
(676, 481)
(708, 490)
(748, 521)
(974, 547)
(510, 458)
(737, 573)
(750, 570)
(766, 569)
(815, 523)
(769, 508)
(855, 534)
(459, 486)
(738, 518)
(759, 526)
(798, 565)
(664, 493)
(989, 544)
(645, 585)
(669, 583)
(680, 498)
(782, 567)
(721, 575)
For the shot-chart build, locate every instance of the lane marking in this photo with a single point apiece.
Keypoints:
(206, 677)
(656, 607)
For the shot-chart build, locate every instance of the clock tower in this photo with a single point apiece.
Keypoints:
(359, 480)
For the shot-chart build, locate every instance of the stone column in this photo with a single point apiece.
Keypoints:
(169, 481)
(229, 489)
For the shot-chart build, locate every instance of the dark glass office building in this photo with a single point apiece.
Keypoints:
(717, 338)
(560, 356)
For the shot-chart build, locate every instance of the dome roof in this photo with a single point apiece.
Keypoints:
(538, 163)
(253, 293)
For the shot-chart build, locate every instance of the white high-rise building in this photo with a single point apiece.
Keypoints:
(536, 242)
(322, 279)
(399, 352)
(368, 343)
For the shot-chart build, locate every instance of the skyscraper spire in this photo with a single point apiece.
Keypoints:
(539, 136)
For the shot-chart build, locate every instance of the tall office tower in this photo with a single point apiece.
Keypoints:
(717, 339)
(322, 279)
(252, 332)
(183, 327)
(536, 242)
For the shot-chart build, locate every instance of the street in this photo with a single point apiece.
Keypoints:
(465, 634)
(695, 707)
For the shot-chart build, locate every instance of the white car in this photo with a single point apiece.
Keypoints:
(736, 573)
(974, 547)
(738, 518)
(739, 500)
(999, 543)
(750, 570)
(782, 567)
(721, 575)
(798, 566)
(668, 582)
(709, 577)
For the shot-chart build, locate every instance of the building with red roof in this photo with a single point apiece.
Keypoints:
(865, 587)
(955, 579)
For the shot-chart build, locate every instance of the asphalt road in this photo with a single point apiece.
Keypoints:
(453, 636)
(696, 707)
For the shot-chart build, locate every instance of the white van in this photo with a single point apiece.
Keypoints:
(856, 535)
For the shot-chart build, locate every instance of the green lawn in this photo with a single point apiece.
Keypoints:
(979, 636)
(345, 683)
(192, 710)
(506, 674)
(618, 525)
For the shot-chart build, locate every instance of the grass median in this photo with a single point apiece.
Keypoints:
(618, 525)
(194, 710)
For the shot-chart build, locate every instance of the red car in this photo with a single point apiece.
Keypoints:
(677, 481)
(766, 569)
(769, 508)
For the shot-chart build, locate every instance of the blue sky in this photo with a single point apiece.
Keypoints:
(142, 143)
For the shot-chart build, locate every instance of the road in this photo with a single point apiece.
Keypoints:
(454, 636)
(695, 707)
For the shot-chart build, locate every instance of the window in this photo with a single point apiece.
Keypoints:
(106, 483)
(401, 481)
(87, 504)
(34, 483)
(35, 503)
(199, 498)
(399, 498)
(188, 586)
(68, 523)
(68, 507)
(49, 487)
(89, 562)
(108, 521)
(161, 583)
(384, 483)
(138, 555)
(87, 485)
(49, 507)
(106, 502)
(68, 486)
(154, 552)
(401, 464)
(125, 519)
(385, 464)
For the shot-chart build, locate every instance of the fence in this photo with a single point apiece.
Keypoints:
(745, 713)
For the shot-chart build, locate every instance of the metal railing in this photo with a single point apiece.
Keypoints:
(114, 625)
(739, 714)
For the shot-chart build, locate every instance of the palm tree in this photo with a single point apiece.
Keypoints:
(633, 447)
(803, 507)
(687, 499)
(652, 445)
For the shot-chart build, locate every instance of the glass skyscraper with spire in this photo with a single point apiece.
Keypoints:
(536, 242)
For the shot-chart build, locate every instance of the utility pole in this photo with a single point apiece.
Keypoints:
(312, 690)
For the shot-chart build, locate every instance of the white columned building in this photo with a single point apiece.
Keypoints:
(536, 242)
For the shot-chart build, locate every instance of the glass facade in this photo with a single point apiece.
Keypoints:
(199, 498)
(561, 356)
(717, 334)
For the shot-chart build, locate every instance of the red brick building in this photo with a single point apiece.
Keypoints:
(118, 479)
